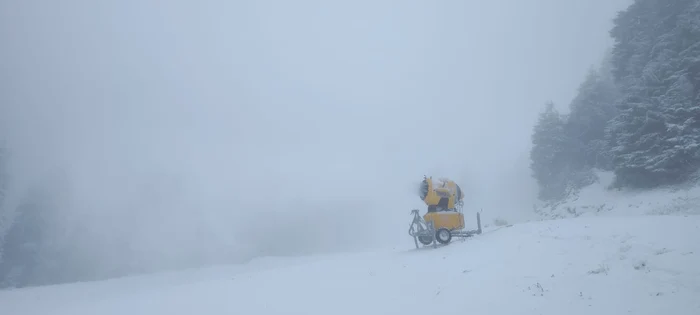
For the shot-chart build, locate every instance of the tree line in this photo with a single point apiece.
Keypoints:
(637, 114)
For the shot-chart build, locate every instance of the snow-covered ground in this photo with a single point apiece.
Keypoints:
(598, 200)
(607, 252)
(587, 265)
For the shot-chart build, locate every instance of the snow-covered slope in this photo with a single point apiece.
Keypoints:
(598, 200)
(593, 265)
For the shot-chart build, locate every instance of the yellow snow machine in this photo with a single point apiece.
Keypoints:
(445, 216)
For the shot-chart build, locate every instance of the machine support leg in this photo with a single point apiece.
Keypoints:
(478, 222)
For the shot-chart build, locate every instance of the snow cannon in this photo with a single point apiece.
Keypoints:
(444, 218)
(440, 194)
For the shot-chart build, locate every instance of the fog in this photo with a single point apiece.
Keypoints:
(175, 133)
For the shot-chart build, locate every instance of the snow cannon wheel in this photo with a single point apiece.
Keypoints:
(425, 240)
(443, 236)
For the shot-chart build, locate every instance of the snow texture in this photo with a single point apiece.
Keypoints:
(596, 265)
(599, 200)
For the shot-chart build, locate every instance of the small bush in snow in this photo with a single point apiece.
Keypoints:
(601, 269)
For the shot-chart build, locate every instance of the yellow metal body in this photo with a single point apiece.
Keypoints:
(441, 193)
(451, 220)
(442, 196)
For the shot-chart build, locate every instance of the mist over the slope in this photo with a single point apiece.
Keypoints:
(176, 133)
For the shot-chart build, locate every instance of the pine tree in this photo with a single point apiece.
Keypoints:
(549, 154)
(22, 245)
(590, 112)
(4, 213)
(656, 136)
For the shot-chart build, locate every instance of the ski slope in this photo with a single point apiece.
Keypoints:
(598, 200)
(596, 265)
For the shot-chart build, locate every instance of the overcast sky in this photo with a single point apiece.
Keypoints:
(268, 104)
